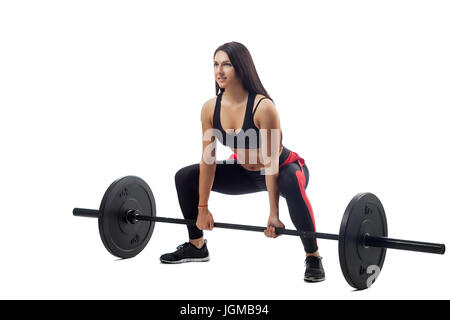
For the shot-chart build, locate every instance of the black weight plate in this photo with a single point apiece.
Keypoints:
(364, 215)
(122, 239)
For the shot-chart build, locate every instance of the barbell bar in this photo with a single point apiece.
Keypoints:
(134, 216)
(127, 217)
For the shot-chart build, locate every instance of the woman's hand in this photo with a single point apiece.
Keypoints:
(273, 223)
(205, 219)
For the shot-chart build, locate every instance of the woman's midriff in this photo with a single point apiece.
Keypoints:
(252, 158)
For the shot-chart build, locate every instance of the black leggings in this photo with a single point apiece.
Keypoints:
(231, 178)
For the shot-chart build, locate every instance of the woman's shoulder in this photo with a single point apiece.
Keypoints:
(209, 105)
(211, 101)
(208, 109)
(262, 101)
(259, 97)
(265, 109)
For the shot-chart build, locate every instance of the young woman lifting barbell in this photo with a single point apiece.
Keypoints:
(243, 117)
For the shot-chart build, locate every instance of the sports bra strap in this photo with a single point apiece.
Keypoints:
(258, 104)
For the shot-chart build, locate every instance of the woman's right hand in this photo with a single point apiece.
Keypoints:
(205, 219)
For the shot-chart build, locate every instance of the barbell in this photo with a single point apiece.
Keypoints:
(127, 217)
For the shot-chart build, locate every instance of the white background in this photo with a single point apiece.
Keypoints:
(94, 90)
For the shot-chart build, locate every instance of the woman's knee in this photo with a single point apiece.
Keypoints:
(187, 175)
(288, 179)
(306, 173)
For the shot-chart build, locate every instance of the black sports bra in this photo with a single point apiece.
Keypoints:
(248, 137)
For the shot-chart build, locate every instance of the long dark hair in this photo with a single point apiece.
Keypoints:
(242, 62)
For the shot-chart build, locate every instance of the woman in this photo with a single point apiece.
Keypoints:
(259, 162)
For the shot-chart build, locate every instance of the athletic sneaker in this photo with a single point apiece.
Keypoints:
(314, 269)
(186, 252)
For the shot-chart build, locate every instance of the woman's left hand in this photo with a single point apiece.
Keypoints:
(272, 223)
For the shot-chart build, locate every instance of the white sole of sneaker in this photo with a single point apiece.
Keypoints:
(313, 279)
(186, 260)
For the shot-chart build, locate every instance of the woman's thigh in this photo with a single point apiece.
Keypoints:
(233, 179)
(292, 179)
(230, 178)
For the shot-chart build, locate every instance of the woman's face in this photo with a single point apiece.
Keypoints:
(223, 70)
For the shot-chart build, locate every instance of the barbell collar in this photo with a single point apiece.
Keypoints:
(87, 213)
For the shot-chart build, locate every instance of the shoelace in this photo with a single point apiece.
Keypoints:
(181, 246)
(313, 262)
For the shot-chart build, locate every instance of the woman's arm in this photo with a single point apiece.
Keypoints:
(269, 123)
(269, 128)
(208, 160)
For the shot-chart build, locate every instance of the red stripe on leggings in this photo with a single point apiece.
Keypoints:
(292, 158)
(301, 183)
